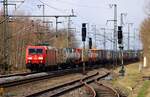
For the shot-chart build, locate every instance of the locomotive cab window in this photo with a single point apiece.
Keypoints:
(35, 51)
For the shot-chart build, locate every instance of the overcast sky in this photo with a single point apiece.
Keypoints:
(95, 12)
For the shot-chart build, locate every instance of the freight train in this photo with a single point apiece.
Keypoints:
(46, 57)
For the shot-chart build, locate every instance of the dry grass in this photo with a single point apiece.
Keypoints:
(131, 79)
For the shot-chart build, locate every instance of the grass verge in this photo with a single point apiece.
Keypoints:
(144, 89)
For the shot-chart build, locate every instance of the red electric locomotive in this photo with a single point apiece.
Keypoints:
(45, 57)
(35, 56)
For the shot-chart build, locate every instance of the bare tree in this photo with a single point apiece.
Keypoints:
(24, 32)
(145, 36)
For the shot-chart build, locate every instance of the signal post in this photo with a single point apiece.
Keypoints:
(83, 50)
(120, 39)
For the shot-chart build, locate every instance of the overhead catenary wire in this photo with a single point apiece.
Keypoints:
(20, 5)
(48, 5)
(57, 9)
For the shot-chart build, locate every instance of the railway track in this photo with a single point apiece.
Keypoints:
(8, 84)
(105, 91)
(29, 73)
(68, 86)
(17, 74)
(90, 90)
(31, 77)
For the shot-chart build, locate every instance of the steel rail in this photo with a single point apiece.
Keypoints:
(61, 89)
(37, 78)
(110, 89)
(68, 86)
(90, 89)
(17, 74)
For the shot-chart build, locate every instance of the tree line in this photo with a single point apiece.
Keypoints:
(24, 32)
(145, 33)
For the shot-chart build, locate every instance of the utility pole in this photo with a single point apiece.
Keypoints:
(43, 11)
(88, 29)
(56, 23)
(68, 31)
(5, 36)
(129, 24)
(94, 30)
(134, 38)
(140, 44)
(135, 32)
(88, 34)
(115, 33)
(39, 6)
(95, 35)
(104, 43)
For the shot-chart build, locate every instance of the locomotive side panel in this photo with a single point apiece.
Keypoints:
(51, 57)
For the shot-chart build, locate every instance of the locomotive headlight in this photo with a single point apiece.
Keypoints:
(41, 61)
(29, 58)
(40, 58)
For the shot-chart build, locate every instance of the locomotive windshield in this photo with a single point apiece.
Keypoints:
(35, 51)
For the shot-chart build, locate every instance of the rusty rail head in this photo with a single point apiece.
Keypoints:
(110, 88)
(89, 88)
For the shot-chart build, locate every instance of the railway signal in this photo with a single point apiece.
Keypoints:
(83, 40)
(120, 36)
(90, 43)
(83, 31)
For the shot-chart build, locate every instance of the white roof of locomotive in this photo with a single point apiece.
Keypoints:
(50, 47)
